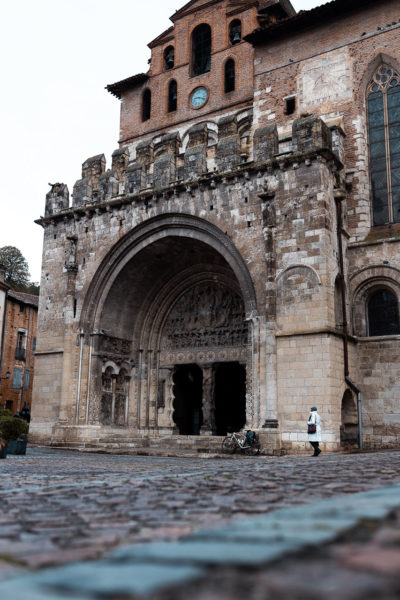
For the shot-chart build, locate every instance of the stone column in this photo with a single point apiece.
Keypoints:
(208, 405)
(165, 398)
(271, 408)
(68, 384)
(253, 374)
(153, 389)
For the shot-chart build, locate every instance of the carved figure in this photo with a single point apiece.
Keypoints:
(205, 316)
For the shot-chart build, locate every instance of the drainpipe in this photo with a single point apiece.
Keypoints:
(339, 197)
(359, 411)
(21, 395)
(342, 287)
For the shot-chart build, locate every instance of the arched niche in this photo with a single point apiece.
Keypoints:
(364, 284)
(349, 421)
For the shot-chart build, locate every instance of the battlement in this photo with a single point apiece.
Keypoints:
(204, 148)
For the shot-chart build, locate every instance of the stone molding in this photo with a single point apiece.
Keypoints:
(150, 231)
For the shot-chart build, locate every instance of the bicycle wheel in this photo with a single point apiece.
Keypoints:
(228, 445)
(254, 449)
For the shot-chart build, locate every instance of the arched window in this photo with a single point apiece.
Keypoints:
(201, 49)
(235, 32)
(146, 105)
(229, 76)
(172, 96)
(383, 313)
(383, 97)
(169, 58)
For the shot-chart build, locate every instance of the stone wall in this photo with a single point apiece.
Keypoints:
(270, 203)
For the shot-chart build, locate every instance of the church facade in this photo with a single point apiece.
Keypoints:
(239, 260)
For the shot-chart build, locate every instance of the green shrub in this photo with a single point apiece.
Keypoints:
(13, 428)
(4, 412)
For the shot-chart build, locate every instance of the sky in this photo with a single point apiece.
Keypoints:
(57, 57)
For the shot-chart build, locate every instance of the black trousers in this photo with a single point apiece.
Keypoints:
(315, 445)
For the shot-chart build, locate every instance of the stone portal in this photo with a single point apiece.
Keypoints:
(172, 315)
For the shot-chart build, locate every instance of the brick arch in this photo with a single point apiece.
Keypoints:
(152, 230)
(362, 284)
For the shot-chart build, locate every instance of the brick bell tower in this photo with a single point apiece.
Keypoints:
(200, 67)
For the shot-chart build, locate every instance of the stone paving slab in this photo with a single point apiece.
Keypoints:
(143, 569)
(58, 507)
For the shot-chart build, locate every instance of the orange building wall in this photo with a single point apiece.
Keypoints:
(15, 319)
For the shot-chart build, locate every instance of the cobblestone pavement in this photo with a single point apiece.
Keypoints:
(59, 507)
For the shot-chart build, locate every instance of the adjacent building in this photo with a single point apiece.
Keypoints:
(19, 322)
(238, 262)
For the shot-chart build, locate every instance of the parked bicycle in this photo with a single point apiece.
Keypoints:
(247, 442)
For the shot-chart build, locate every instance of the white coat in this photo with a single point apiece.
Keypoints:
(317, 436)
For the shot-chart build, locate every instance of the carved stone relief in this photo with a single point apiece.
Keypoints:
(205, 316)
(111, 348)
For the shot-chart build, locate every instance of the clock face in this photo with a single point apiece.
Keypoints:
(198, 97)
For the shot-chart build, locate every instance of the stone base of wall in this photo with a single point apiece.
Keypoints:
(114, 439)
(306, 449)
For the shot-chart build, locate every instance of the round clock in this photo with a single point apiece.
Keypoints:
(198, 97)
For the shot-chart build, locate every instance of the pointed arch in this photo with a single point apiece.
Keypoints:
(383, 120)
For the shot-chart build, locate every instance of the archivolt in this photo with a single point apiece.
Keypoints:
(150, 231)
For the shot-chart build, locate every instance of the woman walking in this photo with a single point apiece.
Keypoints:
(314, 430)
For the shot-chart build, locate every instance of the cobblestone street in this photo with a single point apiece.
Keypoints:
(128, 518)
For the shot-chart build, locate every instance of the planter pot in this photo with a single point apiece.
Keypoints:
(16, 447)
(3, 452)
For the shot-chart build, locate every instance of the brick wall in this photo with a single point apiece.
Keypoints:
(19, 315)
(218, 17)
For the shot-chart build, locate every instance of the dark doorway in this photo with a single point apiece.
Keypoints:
(230, 397)
(188, 390)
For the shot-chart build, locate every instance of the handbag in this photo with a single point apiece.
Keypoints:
(311, 428)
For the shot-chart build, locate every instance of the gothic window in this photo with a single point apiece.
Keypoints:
(383, 313)
(229, 76)
(169, 58)
(235, 32)
(201, 49)
(172, 96)
(146, 105)
(383, 98)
